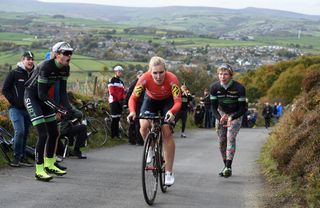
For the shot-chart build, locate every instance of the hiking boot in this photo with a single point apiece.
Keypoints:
(169, 178)
(26, 163)
(51, 168)
(41, 174)
(15, 163)
(227, 172)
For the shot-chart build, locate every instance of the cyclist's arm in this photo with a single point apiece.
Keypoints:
(43, 88)
(214, 102)
(137, 92)
(63, 94)
(176, 94)
(242, 104)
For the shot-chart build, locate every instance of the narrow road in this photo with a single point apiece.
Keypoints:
(110, 177)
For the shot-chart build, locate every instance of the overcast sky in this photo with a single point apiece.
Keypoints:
(300, 6)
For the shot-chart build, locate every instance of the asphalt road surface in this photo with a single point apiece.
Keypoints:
(110, 177)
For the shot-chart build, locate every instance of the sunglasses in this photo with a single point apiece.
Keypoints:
(66, 53)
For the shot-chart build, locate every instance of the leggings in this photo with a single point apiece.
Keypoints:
(227, 139)
(48, 134)
(182, 114)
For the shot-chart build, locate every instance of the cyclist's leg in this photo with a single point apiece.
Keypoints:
(231, 140)
(147, 106)
(169, 147)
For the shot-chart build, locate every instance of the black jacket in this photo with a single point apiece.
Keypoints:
(13, 86)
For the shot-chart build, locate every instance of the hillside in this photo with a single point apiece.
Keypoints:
(198, 20)
(290, 158)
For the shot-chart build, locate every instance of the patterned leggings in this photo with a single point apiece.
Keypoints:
(227, 138)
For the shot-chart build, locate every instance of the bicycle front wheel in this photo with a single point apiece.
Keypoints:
(149, 171)
(97, 132)
(162, 168)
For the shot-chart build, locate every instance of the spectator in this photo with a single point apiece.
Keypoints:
(13, 90)
(267, 114)
(134, 128)
(76, 133)
(183, 112)
(208, 110)
(279, 110)
(116, 98)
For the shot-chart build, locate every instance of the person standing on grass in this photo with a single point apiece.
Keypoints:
(228, 99)
(44, 110)
(13, 90)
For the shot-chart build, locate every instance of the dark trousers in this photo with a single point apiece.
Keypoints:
(182, 114)
(77, 135)
(208, 119)
(116, 111)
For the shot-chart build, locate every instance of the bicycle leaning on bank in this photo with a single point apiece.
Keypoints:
(6, 146)
(153, 172)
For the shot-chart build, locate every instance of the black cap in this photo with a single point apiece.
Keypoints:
(28, 54)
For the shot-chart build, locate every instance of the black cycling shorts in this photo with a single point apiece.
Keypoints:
(39, 112)
(154, 106)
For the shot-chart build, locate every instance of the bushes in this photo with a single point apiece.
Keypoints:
(295, 146)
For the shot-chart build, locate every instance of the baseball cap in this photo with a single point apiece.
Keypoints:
(28, 54)
(61, 46)
(118, 68)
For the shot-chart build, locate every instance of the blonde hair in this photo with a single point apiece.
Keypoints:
(225, 67)
(155, 61)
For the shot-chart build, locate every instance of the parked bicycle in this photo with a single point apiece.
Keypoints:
(97, 131)
(122, 130)
(153, 172)
(6, 146)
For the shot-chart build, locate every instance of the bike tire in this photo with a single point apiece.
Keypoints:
(149, 172)
(6, 144)
(97, 132)
(162, 167)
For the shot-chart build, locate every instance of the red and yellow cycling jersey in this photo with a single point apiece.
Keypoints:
(170, 87)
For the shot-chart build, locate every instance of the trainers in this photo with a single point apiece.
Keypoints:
(15, 163)
(149, 156)
(227, 172)
(79, 154)
(26, 163)
(169, 179)
(221, 173)
(59, 158)
(183, 135)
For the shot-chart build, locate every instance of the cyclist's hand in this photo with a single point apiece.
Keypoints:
(169, 117)
(131, 116)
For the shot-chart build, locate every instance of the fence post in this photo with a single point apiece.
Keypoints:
(95, 85)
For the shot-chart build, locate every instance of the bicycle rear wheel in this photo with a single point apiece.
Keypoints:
(162, 168)
(97, 132)
(6, 145)
(149, 171)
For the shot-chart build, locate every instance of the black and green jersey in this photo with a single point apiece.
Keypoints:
(43, 81)
(230, 100)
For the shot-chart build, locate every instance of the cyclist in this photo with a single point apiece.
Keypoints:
(43, 109)
(162, 93)
(13, 90)
(229, 104)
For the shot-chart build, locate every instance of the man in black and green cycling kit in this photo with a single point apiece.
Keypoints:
(49, 80)
(228, 99)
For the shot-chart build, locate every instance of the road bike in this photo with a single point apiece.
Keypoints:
(107, 120)
(6, 146)
(96, 129)
(153, 172)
